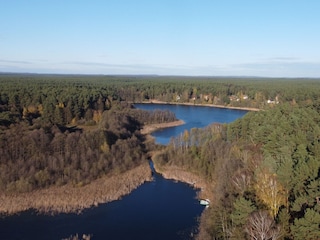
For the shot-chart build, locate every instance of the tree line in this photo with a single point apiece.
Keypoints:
(67, 99)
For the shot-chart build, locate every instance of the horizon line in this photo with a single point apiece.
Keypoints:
(153, 75)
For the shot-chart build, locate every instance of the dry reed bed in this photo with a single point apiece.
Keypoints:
(178, 174)
(147, 129)
(67, 199)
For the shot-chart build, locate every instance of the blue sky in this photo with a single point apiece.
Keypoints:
(273, 38)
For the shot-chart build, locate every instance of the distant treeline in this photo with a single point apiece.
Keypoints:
(264, 169)
(66, 99)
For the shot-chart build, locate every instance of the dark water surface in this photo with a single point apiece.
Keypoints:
(193, 116)
(161, 209)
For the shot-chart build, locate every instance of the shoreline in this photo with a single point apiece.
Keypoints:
(150, 128)
(153, 101)
(178, 174)
(70, 199)
(202, 188)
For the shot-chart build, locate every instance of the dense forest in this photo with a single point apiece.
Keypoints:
(54, 133)
(263, 169)
(66, 99)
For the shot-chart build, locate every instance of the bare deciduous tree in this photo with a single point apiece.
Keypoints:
(261, 226)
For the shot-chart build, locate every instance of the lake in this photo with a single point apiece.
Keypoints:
(160, 209)
(193, 116)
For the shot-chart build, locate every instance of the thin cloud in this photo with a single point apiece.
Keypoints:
(281, 68)
(272, 67)
(147, 67)
(14, 61)
(285, 59)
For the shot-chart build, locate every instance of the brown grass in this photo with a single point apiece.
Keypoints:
(182, 175)
(147, 129)
(68, 199)
(178, 174)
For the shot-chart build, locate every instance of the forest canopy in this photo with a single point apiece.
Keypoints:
(263, 168)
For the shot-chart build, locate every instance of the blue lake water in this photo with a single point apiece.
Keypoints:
(161, 209)
(193, 116)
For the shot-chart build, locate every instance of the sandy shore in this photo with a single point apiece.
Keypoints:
(66, 199)
(205, 105)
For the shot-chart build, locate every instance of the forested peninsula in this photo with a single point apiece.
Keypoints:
(67, 135)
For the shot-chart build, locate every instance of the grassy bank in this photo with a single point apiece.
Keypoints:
(182, 175)
(67, 199)
(147, 129)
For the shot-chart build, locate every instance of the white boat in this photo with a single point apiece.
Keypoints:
(205, 202)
